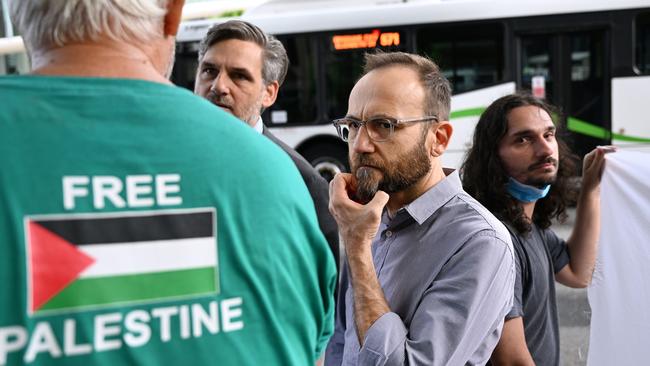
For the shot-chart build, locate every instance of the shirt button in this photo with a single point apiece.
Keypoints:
(388, 233)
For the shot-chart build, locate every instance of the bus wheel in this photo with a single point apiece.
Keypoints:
(327, 159)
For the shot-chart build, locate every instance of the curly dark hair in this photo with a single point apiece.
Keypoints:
(485, 178)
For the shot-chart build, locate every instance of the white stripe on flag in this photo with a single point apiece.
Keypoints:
(149, 256)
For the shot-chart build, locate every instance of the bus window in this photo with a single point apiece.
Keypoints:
(586, 58)
(185, 64)
(17, 63)
(344, 62)
(643, 43)
(537, 60)
(586, 93)
(296, 103)
(471, 57)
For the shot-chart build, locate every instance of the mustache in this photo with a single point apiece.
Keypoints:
(547, 160)
(363, 159)
(215, 98)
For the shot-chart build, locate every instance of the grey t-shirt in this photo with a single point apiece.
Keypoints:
(539, 255)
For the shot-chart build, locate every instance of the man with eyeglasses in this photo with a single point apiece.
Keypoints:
(429, 272)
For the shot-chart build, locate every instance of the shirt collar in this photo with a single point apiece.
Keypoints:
(433, 199)
(259, 126)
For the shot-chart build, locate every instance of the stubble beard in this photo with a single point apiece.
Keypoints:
(253, 114)
(542, 181)
(402, 173)
(250, 116)
(546, 179)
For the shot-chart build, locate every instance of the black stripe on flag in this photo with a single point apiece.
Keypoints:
(158, 226)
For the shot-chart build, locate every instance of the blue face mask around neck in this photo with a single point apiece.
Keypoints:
(525, 193)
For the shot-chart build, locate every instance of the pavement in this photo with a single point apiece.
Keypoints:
(573, 311)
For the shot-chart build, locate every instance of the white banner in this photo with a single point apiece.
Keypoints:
(620, 291)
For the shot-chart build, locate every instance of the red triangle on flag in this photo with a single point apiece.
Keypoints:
(55, 263)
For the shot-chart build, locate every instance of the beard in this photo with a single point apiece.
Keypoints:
(398, 175)
(548, 178)
(249, 115)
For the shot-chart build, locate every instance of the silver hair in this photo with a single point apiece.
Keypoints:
(275, 60)
(55, 23)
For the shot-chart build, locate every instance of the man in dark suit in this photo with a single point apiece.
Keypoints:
(240, 70)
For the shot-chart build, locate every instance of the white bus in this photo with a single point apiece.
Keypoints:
(589, 57)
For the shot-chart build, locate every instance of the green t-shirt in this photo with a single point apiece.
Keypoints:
(139, 224)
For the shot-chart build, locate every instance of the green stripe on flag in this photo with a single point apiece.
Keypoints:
(90, 292)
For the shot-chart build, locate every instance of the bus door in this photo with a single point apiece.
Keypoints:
(571, 70)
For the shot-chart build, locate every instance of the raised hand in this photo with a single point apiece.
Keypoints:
(593, 165)
(358, 223)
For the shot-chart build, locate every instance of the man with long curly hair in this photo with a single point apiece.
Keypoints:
(521, 170)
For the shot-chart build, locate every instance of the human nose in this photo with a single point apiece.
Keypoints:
(362, 142)
(221, 84)
(545, 147)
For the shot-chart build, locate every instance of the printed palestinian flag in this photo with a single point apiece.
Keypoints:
(95, 260)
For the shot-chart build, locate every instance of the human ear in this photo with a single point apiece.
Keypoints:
(442, 133)
(173, 17)
(270, 93)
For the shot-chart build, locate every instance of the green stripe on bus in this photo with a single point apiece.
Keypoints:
(586, 128)
(616, 136)
(469, 112)
(573, 124)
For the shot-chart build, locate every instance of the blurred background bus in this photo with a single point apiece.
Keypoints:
(589, 57)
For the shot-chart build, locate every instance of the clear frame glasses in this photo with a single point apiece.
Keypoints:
(379, 129)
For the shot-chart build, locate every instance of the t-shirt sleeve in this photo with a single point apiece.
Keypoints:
(319, 191)
(308, 266)
(557, 248)
(517, 309)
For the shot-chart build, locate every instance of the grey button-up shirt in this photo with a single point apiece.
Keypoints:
(446, 267)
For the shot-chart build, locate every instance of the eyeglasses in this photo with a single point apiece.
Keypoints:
(379, 129)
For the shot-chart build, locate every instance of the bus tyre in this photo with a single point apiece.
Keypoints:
(327, 159)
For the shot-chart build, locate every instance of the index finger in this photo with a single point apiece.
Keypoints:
(340, 183)
(607, 148)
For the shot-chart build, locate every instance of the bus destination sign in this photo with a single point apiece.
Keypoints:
(365, 40)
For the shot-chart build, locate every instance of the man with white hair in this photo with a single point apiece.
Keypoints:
(133, 229)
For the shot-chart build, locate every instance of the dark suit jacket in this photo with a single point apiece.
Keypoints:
(319, 191)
